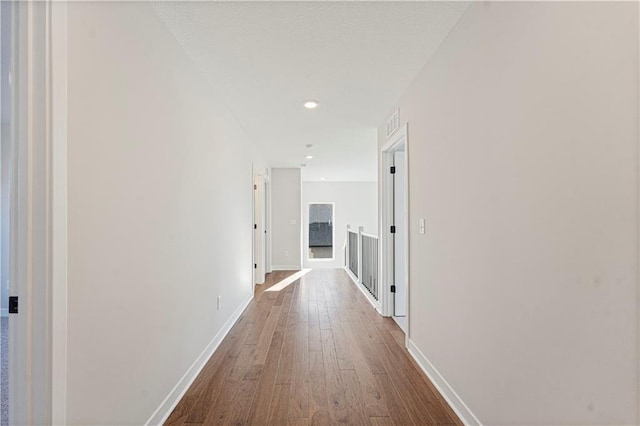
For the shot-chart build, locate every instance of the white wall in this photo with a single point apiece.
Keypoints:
(356, 204)
(523, 144)
(286, 237)
(160, 213)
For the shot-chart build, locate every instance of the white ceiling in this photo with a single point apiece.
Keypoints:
(356, 58)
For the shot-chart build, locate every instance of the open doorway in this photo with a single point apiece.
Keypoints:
(321, 231)
(395, 228)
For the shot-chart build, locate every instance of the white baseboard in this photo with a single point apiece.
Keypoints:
(447, 392)
(286, 267)
(359, 286)
(166, 407)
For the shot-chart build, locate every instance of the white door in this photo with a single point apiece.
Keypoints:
(400, 236)
(258, 229)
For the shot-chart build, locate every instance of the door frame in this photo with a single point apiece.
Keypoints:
(400, 222)
(267, 223)
(38, 214)
(397, 139)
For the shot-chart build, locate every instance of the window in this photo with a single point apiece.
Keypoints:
(321, 231)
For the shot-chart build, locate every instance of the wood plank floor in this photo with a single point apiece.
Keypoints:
(313, 352)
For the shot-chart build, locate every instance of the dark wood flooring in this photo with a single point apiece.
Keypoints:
(314, 352)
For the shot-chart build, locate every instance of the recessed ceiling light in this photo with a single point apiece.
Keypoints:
(309, 157)
(321, 178)
(311, 104)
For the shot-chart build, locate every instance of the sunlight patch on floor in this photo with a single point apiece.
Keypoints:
(287, 281)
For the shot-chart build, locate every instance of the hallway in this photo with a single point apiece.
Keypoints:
(313, 352)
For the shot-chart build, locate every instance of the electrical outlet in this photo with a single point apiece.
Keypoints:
(219, 302)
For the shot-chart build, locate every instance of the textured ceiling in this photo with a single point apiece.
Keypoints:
(356, 58)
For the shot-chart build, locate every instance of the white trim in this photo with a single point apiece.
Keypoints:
(394, 143)
(359, 286)
(33, 264)
(165, 409)
(453, 399)
(301, 220)
(638, 235)
(286, 267)
(364, 234)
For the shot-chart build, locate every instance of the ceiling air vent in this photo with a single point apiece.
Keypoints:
(393, 123)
